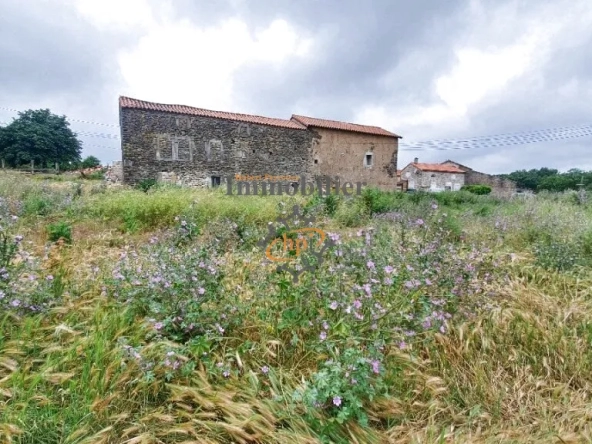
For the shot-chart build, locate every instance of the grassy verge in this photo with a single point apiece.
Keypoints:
(432, 318)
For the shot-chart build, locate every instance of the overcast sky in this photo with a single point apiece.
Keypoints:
(424, 69)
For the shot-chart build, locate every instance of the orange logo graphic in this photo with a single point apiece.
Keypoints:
(295, 246)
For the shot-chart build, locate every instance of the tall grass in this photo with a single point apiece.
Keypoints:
(434, 318)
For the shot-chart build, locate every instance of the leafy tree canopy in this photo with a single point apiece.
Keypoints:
(90, 162)
(550, 179)
(40, 136)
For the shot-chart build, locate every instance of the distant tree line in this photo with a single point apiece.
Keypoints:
(547, 179)
(43, 138)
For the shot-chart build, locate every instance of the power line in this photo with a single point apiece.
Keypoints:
(499, 140)
(101, 135)
(101, 146)
(517, 134)
(71, 120)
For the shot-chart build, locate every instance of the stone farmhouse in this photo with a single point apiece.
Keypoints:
(432, 177)
(449, 176)
(200, 147)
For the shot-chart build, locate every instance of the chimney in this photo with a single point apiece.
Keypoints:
(416, 160)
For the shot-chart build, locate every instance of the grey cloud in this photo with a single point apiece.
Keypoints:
(381, 53)
(357, 46)
(52, 58)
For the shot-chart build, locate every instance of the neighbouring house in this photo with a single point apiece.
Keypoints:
(431, 177)
(499, 186)
(200, 147)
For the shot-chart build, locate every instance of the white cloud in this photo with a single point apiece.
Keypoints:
(181, 63)
(174, 61)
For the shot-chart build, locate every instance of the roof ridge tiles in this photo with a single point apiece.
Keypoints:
(295, 122)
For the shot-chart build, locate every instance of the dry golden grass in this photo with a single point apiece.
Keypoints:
(519, 373)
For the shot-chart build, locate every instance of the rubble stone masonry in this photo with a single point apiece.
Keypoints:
(203, 151)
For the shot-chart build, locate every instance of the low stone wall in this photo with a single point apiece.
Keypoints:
(114, 172)
(499, 186)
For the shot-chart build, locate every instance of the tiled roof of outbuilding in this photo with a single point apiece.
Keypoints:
(343, 126)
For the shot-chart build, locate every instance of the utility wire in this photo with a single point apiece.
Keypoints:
(499, 140)
(71, 120)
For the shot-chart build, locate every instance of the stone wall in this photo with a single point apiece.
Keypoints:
(431, 181)
(114, 172)
(344, 154)
(192, 150)
(499, 186)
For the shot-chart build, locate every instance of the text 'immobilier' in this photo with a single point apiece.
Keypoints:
(324, 185)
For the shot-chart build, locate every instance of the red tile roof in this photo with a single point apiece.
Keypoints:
(462, 167)
(343, 126)
(437, 168)
(127, 102)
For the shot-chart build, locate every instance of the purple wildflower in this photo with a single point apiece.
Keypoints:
(337, 401)
(375, 366)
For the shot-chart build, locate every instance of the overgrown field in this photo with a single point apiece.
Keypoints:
(153, 317)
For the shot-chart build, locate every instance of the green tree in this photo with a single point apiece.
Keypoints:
(40, 136)
(531, 179)
(90, 162)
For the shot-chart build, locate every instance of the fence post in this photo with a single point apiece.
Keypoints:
(57, 168)
(2, 163)
(32, 167)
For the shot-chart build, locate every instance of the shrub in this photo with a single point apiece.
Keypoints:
(146, 184)
(557, 255)
(37, 205)
(331, 202)
(21, 290)
(378, 201)
(177, 290)
(60, 230)
(477, 189)
(343, 386)
(96, 175)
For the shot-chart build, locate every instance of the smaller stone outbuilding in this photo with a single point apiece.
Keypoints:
(431, 177)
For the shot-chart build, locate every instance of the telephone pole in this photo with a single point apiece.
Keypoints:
(581, 191)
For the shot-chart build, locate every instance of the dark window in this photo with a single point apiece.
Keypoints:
(215, 181)
(368, 159)
(316, 160)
